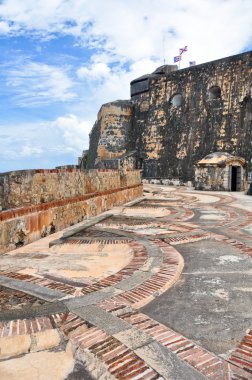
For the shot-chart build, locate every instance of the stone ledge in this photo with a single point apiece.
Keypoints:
(35, 290)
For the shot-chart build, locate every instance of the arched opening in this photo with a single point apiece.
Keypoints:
(177, 100)
(214, 92)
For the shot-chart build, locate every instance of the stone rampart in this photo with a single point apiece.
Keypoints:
(32, 187)
(32, 219)
(176, 117)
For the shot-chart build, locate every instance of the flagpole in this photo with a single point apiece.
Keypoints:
(164, 48)
(181, 51)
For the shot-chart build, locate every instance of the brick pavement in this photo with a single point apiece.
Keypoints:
(113, 333)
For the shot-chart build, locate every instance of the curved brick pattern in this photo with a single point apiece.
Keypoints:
(235, 243)
(120, 361)
(94, 233)
(68, 323)
(25, 326)
(10, 299)
(202, 360)
(239, 217)
(155, 266)
(107, 241)
(167, 274)
(187, 239)
(242, 356)
(186, 215)
(140, 257)
(208, 364)
(132, 224)
(55, 285)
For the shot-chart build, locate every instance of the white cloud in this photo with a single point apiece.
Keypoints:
(134, 30)
(75, 132)
(128, 39)
(96, 71)
(139, 34)
(30, 151)
(4, 27)
(65, 135)
(36, 83)
(108, 85)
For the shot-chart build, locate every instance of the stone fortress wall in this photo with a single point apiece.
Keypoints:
(32, 187)
(37, 203)
(176, 117)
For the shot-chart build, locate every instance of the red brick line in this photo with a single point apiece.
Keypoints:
(205, 362)
(165, 277)
(248, 221)
(242, 356)
(188, 213)
(202, 360)
(149, 224)
(224, 200)
(187, 239)
(235, 243)
(24, 326)
(182, 227)
(232, 217)
(116, 356)
(139, 259)
(181, 191)
(118, 359)
(107, 241)
(14, 213)
(233, 214)
(68, 323)
(68, 289)
(106, 348)
(55, 170)
(237, 228)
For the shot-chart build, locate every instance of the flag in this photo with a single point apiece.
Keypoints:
(192, 63)
(177, 58)
(182, 50)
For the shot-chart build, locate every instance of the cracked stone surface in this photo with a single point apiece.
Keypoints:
(38, 366)
(213, 296)
(75, 261)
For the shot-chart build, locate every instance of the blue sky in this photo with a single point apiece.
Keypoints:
(61, 60)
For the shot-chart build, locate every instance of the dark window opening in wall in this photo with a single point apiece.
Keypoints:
(214, 93)
(177, 100)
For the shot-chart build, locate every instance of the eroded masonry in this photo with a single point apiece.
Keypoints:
(177, 117)
(37, 203)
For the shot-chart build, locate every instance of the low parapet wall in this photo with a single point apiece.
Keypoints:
(23, 225)
(31, 187)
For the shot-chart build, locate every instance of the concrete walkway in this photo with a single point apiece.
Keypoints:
(157, 289)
